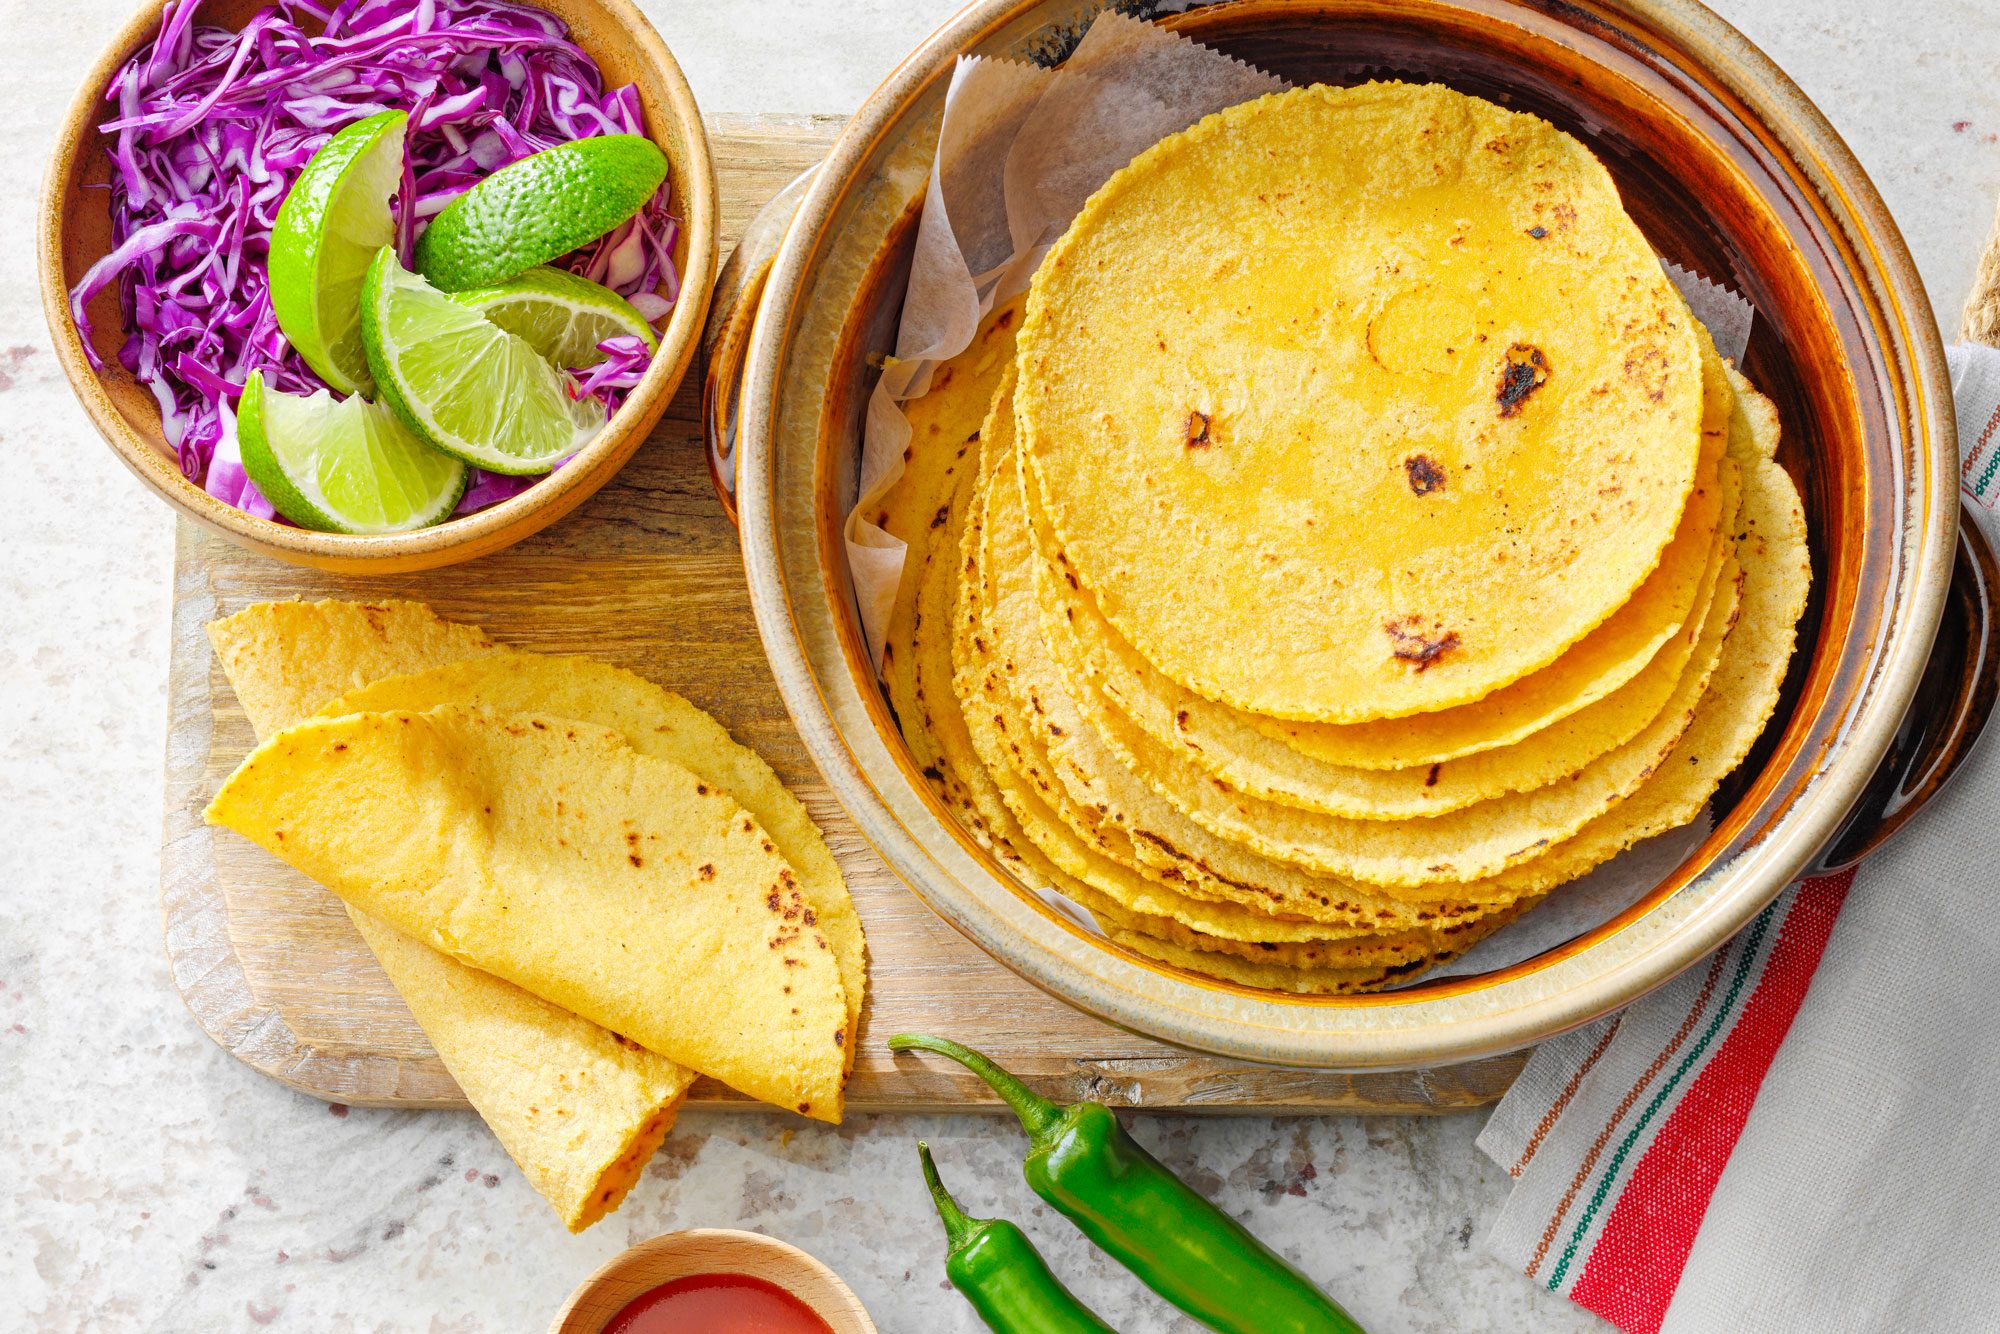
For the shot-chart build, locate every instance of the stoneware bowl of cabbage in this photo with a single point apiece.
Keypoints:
(176, 156)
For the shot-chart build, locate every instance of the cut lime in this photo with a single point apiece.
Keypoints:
(342, 467)
(531, 211)
(563, 317)
(329, 228)
(462, 382)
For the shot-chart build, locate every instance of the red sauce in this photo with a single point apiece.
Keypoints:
(716, 1304)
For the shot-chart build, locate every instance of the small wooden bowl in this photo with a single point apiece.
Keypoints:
(711, 1251)
(75, 231)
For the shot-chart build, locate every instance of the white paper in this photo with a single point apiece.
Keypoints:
(1581, 905)
(1725, 315)
(1020, 149)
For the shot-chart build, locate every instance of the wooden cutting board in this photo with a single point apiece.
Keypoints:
(646, 575)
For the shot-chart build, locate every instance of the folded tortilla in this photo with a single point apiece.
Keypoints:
(577, 1109)
(654, 721)
(612, 1100)
(547, 852)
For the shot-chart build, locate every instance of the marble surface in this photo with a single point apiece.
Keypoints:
(149, 1182)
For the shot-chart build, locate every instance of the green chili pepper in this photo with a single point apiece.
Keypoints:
(1001, 1273)
(1081, 1161)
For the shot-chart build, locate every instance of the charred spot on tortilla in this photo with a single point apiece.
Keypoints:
(1523, 372)
(1197, 429)
(1418, 643)
(1424, 474)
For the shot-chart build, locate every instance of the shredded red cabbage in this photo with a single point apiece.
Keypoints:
(626, 357)
(212, 127)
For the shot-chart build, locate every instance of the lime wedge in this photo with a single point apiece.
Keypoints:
(463, 383)
(563, 317)
(342, 467)
(531, 211)
(329, 228)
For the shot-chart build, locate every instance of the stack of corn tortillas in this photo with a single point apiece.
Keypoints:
(586, 891)
(1349, 539)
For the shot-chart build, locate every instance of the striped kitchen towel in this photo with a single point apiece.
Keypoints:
(1802, 1133)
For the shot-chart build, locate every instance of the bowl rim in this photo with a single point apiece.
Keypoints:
(474, 534)
(669, 1242)
(1519, 1006)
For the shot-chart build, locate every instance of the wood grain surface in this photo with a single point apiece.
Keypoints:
(646, 575)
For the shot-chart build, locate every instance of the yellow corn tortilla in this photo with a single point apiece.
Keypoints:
(654, 721)
(1272, 975)
(1198, 826)
(286, 659)
(1465, 850)
(1205, 742)
(577, 1107)
(944, 428)
(1356, 403)
(918, 670)
(546, 851)
(573, 1105)
(1601, 662)
(1776, 566)
(1223, 900)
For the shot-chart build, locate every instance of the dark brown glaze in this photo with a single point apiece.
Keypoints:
(1953, 704)
(724, 344)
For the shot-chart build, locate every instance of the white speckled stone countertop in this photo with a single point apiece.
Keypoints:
(147, 1181)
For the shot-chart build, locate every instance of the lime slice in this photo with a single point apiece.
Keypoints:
(329, 228)
(563, 317)
(462, 382)
(531, 211)
(342, 467)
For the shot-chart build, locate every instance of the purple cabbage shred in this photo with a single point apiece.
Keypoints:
(211, 128)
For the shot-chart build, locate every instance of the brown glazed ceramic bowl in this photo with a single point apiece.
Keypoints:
(75, 231)
(1731, 172)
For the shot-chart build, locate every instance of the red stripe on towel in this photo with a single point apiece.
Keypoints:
(1637, 1262)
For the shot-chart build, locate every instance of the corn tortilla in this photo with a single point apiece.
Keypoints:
(1203, 741)
(1393, 313)
(1269, 975)
(1099, 874)
(1013, 708)
(574, 1106)
(654, 721)
(944, 427)
(286, 659)
(1601, 662)
(1468, 848)
(579, 1108)
(1776, 566)
(547, 852)
(918, 676)
(571, 1104)
(918, 670)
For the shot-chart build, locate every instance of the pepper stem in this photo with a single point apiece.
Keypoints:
(956, 1224)
(1038, 1115)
